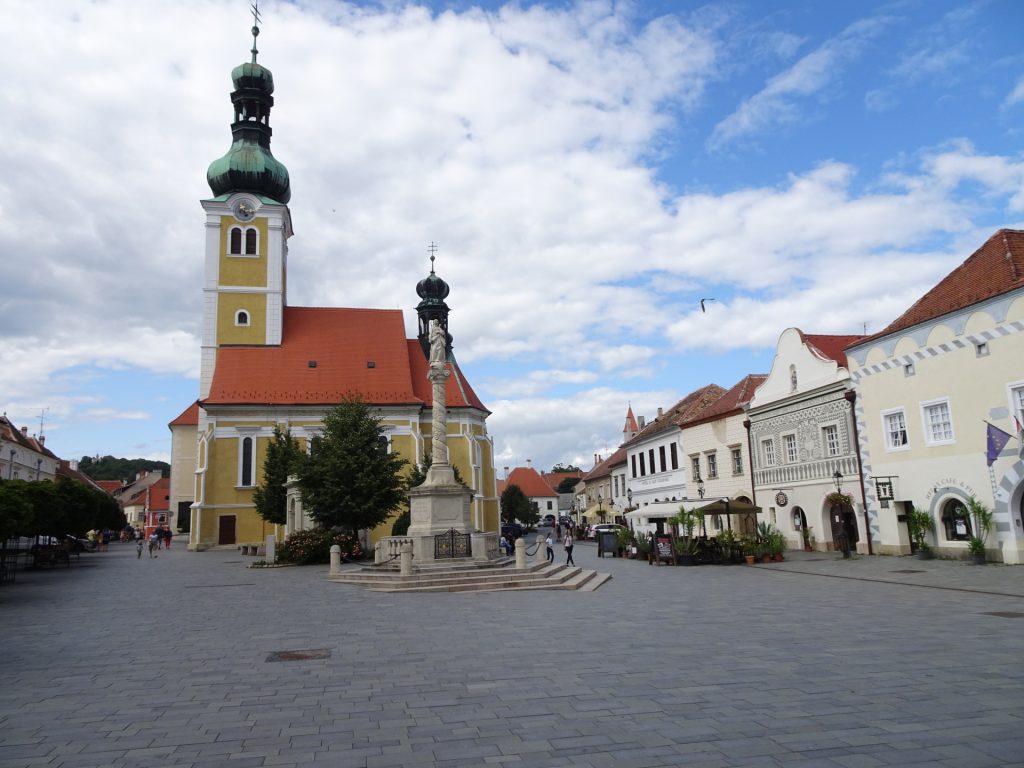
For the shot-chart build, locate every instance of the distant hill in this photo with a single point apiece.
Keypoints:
(110, 468)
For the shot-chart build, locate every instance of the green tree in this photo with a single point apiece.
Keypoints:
(568, 485)
(516, 506)
(350, 480)
(110, 468)
(282, 459)
(15, 509)
(562, 468)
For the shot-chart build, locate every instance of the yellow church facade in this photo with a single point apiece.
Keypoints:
(266, 364)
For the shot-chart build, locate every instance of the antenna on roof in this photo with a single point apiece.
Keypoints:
(865, 328)
(255, 27)
(42, 416)
(432, 249)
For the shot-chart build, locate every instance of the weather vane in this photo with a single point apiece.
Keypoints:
(255, 27)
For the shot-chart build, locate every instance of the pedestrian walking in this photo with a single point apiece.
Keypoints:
(167, 537)
(551, 550)
(154, 543)
(138, 547)
(568, 543)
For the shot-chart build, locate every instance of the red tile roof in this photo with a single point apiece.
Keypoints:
(997, 267)
(688, 408)
(830, 347)
(530, 482)
(64, 470)
(327, 354)
(731, 402)
(110, 485)
(554, 479)
(604, 468)
(188, 418)
(157, 495)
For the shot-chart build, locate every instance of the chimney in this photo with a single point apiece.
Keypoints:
(506, 473)
(529, 463)
(641, 421)
(42, 439)
(24, 431)
(659, 411)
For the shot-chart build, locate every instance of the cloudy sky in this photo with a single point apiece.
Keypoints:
(589, 171)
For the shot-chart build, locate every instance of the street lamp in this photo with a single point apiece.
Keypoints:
(600, 511)
(629, 497)
(837, 478)
(700, 486)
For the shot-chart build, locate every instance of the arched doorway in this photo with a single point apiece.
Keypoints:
(843, 523)
(956, 523)
(801, 527)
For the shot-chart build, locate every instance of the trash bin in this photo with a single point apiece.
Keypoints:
(607, 543)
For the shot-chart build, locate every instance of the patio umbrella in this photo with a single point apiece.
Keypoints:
(729, 508)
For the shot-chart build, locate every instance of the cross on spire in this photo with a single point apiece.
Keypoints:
(432, 250)
(255, 27)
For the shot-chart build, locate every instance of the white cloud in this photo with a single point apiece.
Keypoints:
(1016, 96)
(779, 101)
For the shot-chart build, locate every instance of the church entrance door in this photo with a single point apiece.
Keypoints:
(226, 529)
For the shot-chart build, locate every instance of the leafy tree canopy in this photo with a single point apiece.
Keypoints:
(350, 480)
(516, 506)
(47, 508)
(562, 468)
(281, 460)
(568, 485)
(110, 468)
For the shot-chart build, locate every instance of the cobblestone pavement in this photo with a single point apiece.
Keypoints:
(812, 662)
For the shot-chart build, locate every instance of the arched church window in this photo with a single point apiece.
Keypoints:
(246, 476)
(242, 317)
(250, 241)
(236, 240)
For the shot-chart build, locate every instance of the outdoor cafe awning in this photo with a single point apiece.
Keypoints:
(723, 507)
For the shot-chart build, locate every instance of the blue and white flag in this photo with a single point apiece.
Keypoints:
(997, 440)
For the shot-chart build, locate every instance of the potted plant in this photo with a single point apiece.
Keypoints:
(920, 524)
(642, 542)
(982, 527)
(750, 548)
(732, 552)
(777, 545)
(688, 521)
(764, 536)
(839, 499)
(808, 537)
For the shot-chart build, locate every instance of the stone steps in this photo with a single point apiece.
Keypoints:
(501, 577)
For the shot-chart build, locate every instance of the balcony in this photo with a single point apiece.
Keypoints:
(805, 472)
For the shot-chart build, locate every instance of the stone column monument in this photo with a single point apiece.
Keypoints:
(440, 504)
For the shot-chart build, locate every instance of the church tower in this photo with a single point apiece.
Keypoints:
(432, 291)
(247, 227)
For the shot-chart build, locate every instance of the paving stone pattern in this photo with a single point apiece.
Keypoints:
(813, 662)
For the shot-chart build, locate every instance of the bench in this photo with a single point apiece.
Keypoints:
(50, 554)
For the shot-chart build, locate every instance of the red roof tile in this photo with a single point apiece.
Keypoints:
(731, 402)
(687, 408)
(156, 496)
(188, 418)
(830, 347)
(604, 468)
(327, 354)
(997, 267)
(530, 482)
(109, 485)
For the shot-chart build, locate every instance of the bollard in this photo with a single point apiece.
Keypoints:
(406, 560)
(378, 553)
(271, 549)
(335, 560)
(541, 555)
(520, 554)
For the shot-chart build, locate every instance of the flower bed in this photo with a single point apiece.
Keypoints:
(314, 546)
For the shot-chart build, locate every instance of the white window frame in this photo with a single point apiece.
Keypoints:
(885, 430)
(695, 468)
(711, 461)
(244, 230)
(242, 435)
(789, 441)
(926, 423)
(826, 448)
(768, 451)
(1015, 397)
(736, 458)
(238, 318)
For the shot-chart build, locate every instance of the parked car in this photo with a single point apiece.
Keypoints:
(82, 544)
(595, 530)
(547, 521)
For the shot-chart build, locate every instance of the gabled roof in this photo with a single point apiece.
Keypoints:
(64, 470)
(110, 485)
(997, 267)
(187, 418)
(604, 468)
(327, 354)
(530, 482)
(157, 495)
(731, 402)
(554, 479)
(829, 347)
(12, 434)
(689, 407)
